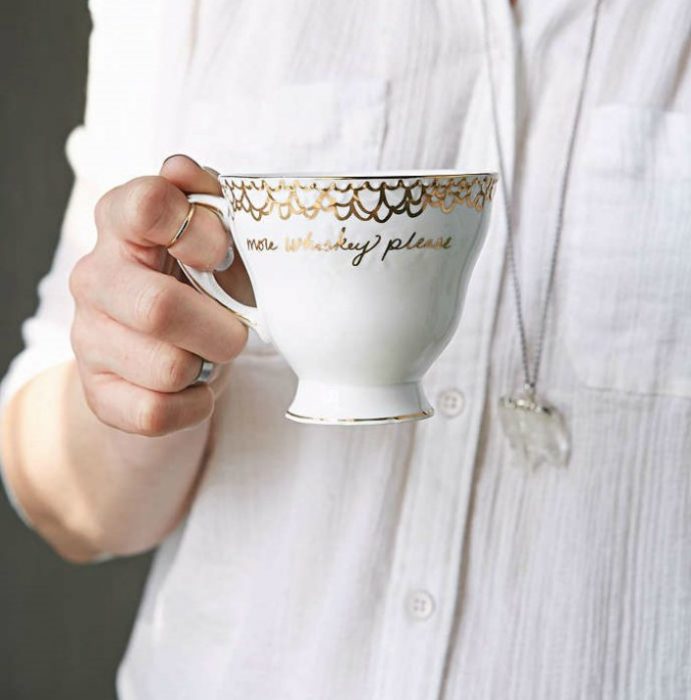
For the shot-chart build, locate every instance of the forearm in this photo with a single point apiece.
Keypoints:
(88, 488)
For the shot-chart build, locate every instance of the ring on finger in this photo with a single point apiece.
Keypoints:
(183, 226)
(206, 373)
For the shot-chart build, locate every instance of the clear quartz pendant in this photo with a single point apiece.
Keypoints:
(536, 431)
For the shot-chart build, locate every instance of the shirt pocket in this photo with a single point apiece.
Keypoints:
(325, 126)
(627, 304)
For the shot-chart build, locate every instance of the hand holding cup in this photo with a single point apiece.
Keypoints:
(141, 336)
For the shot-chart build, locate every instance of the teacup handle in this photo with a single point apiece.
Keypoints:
(204, 281)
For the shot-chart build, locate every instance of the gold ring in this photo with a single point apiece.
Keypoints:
(183, 225)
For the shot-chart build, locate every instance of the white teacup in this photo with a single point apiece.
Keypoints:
(359, 280)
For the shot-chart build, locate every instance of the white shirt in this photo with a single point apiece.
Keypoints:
(417, 562)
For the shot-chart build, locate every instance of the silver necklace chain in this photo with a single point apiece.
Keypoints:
(532, 378)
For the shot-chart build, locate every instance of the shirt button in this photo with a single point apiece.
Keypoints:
(420, 605)
(451, 402)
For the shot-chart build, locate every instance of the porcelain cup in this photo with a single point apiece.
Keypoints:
(359, 280)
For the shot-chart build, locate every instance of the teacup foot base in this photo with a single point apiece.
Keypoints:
(328, 404)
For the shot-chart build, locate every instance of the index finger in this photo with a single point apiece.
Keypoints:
(148, 211)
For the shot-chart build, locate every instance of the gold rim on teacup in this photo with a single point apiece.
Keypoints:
(376, 197)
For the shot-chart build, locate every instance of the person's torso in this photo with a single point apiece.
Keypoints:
(417, 562)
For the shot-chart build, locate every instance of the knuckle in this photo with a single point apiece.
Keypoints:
(80, 278)
(175, 368)
(152, 418)
(147, 201)
(77, 337)
(92, 396)
(102, 209)
(155, 308)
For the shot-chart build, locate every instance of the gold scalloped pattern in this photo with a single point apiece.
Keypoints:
(367, 200)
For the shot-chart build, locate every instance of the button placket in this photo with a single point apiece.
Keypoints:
(435, 511)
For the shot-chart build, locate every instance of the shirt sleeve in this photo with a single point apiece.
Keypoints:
(115, 143)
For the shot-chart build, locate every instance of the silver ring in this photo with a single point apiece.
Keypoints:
(206, 372)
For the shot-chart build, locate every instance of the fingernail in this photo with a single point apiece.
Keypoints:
(183, 155)
(228, 260)
(211, 171)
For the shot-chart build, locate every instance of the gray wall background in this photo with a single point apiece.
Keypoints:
(63, 628)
